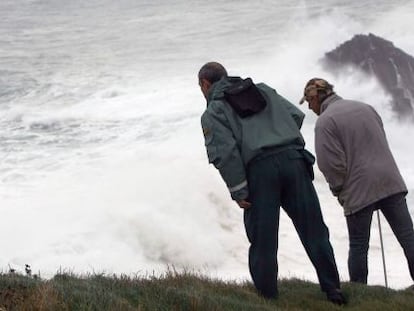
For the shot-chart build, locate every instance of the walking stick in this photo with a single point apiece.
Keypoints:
(382, 249)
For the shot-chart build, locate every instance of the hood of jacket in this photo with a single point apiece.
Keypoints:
(217, 89)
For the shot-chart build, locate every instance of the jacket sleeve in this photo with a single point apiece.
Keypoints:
(223, 153)
(331, 157)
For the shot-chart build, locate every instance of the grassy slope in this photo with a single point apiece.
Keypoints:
(182, 292)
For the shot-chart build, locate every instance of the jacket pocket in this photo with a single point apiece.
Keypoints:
(307, 157)
(212, 154)
(211, 148)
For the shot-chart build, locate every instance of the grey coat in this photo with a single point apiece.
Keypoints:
(353, 154)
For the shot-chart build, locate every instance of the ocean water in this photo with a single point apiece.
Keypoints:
(102, 160)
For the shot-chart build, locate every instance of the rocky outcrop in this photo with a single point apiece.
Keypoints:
(374, 55)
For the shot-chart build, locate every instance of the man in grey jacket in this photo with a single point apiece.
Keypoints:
(252, 136)
(353, 154)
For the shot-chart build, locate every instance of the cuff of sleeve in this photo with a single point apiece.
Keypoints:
(336, 190)
(240, 194)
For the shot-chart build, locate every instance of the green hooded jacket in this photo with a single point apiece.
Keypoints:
(232, 142)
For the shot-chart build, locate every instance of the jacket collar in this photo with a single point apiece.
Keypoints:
(329, 100)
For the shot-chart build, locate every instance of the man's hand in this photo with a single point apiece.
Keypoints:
(244, 204)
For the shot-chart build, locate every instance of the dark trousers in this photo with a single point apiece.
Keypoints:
(283, 179)
(395, 210)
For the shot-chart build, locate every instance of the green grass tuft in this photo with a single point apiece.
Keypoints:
(182, 291)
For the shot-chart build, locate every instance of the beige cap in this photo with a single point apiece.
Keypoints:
(313, 86)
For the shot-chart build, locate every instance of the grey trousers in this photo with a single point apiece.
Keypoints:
(284, 179)
(395, 210)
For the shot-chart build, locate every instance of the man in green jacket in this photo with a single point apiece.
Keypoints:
(252, 136)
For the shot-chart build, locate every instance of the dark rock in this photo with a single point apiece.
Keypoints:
(376, 56)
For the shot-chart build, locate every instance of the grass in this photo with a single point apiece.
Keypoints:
(182, 291)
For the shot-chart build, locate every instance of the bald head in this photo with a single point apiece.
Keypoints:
(212, 72)
(208, 74)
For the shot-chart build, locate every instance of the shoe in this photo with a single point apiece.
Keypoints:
(336, 297)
